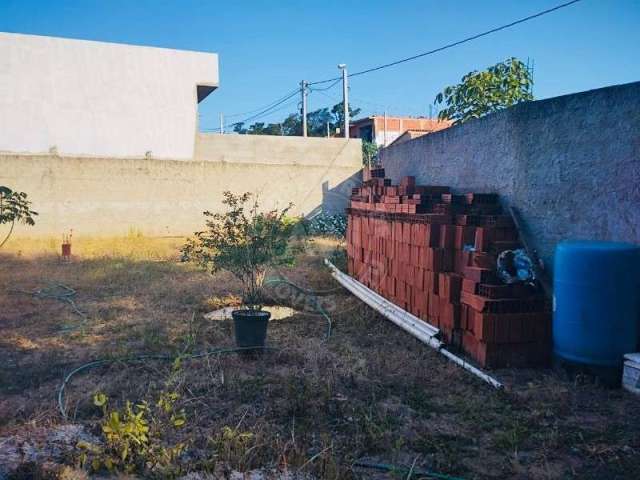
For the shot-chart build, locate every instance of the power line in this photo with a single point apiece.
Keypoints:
(268, 110)
(325, 88)
(271, 108)
(230, 125)
(331, 97)
(285, 97)
(451, 45)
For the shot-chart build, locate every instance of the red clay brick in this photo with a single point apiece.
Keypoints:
(483, 239)
(434, 308)
(464, 317)
(483, 260)
(507, 355)
(447, 236)
(464, 236)
(431, 281)
(504, 305)
(480, 275)
(461, 260)
(449, 315)
(504, 291)
(469, 286)
(450, 286)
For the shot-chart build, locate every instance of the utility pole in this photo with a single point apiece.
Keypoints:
(221, 123)
(345, 98)
(385, 129)
(303, 90)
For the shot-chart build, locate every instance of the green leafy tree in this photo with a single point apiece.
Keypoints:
(14, 208)
(245, 242)
(480, 93)
(369, 152)
(292, 125)
(338, 115)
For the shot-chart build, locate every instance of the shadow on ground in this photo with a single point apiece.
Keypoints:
(370, 391)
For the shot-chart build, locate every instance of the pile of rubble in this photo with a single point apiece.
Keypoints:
(434, 254)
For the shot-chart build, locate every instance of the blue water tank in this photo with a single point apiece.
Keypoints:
(596, 304)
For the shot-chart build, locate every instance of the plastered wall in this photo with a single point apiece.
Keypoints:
(110, 196)
(570, 164)
(77, 97)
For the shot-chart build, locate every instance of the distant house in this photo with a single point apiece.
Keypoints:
(409, 135)
(383, 130)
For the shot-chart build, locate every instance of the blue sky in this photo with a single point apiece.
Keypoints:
(267, 47)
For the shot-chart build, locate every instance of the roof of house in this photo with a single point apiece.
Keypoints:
(422, 120)
(410, 135)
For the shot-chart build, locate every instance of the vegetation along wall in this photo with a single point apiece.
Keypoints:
(113, 196)
(570, 164)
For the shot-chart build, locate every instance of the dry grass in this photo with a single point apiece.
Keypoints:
(371, 391)
(134, 246)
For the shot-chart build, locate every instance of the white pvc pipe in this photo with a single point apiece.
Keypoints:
(410, 323)
(381, 304)
(470, 368)
(391, 311)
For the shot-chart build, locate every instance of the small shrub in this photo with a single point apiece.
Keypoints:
(135, 437)
(245, 242)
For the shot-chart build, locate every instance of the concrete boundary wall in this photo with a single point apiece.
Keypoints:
(570, 164)
(277, 150)
(110, 196)
(79, 97)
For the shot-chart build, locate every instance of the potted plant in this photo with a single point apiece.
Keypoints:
(245, 242)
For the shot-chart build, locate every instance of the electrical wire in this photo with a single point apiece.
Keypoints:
(328, 96)
(269, 107)
(326, 88)
(262, 112)
(451, 45)
(241, 114)
(267, 111)
(286, 105)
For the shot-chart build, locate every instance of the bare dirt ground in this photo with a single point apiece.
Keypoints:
(315, 406)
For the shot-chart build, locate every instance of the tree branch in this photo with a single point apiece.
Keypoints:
(8, 234)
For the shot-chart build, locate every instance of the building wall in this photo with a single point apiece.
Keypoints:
(104, 196)
(395, 126)
(92, 98)
(570, 164)
(278, 150)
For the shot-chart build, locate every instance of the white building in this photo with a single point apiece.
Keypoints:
(77, 97)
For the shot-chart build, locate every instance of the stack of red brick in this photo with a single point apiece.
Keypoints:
(434, 254)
